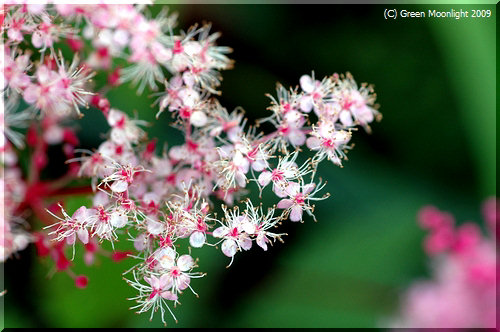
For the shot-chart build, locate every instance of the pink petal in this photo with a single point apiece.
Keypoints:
(292, 189)
(80, 215)
(296, 214)
(229, 247)
(166, 281)
(83, 235)
(279, 189)
(285, 203)
(308, 188)
(297, 138)
(168, 295)
(264, 178)
(306, 104)
(245, 242)
(71, 239)
(220, 232)
(183, 281)
(261, 242)
(346, 118)
(313, 143)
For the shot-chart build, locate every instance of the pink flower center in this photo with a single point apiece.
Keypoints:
(316, 95)
(165, 241)
(201, 225)
(284, 130)
(328, 143)
(119, 150)
(120, 123)
(127, 176)
(299, 198)
(346, 105)
(154, 292)
(175, 271)
(185, 112)
(177, 47)
(277, 175)
(286, 108)
(192, 146)
(234, 232)
(96, 158)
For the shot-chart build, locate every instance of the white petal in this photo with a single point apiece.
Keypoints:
(192, 48)
(53, 135)
(198, 119)
(119, 186)
(293, 117)
(229, 247)
(197, 239)
(169, 296)
(155, 227)
(140, 242)
(166, 257)
(297, 137)
(161, 53)
(241, 179)
(259, 165)
(185, 263)
(115, 116)
(248, 227)
(36, 39)
(306, 83)
(220, 232)
(364, 114)
(279, 189)
(341, 137)
(118, 219)
(313, 143)
(154, 282)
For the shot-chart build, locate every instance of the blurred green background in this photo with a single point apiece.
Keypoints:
(435, 81)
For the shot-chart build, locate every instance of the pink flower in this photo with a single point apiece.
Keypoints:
(315, 92)
(329, 142)
(160, 287)
(233, 233)
(297, 201)
(462, 290)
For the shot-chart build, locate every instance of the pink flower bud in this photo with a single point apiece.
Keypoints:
(118, 256)
(81, 281)
(75, 44)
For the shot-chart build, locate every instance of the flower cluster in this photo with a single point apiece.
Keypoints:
(462, 293)
(166, 203)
